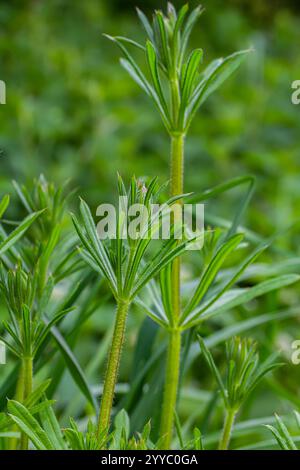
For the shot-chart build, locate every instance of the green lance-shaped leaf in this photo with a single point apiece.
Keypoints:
(73, 366)
(144, 20)
(154, 268)
(243, 295)
(4, 204)
(166, 289)
(94, 247)
(211, 272)
(282, 435)
(18, 232)
(187, 29)
(165, 49)
(44, 331)
(130, 65)
(213, 77)
(51, 426)
(211, 363)
(29, 425)
(157, 317)
(233, 279)
(133, 69)
(226, 299)
(153, 66)
(129, 42)
(177, 34)
(190, 73)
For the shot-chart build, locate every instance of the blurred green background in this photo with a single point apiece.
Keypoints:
(73, 113)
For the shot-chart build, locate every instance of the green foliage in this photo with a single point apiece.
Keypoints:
(243, 373)
(123, 262)
(45, 433)
(30, 273)
(281, 433)
(165, 49)
(71, 113)
(219, 299)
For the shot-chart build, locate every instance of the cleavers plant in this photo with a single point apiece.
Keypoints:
(178, 86)
(42, 277)
(28, 277)
(243, 374)
(121, 261)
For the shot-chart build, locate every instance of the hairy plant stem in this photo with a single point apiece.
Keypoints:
(24, 390)
(228, 424)
(170, 391)
(177, 162)
(174, 340)
(111, 374)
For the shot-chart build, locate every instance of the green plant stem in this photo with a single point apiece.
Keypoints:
(170, 391)
(112, 368)
(177, 163)
(13, 442)
(228, 425)
(25, 390)
(174, 340)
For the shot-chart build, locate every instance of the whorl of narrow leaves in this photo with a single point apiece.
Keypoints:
(175, 80)
(18, 289)
(7, 241)
(243, 373)
(44, 195)
(211, 297)
(30, 271)
(121, 261)
(281, 433)
(26, 329)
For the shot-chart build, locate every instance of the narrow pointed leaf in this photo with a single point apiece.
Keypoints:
(18, 232)
(29, 425)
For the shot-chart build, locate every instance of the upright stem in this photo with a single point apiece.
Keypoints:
(174, 340)
(170, 391)
(177, 163)
(24, 390)
(228, 424)
(14, 441)
(112, 368)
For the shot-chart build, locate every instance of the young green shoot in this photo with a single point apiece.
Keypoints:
(243, 373)
(122, 263)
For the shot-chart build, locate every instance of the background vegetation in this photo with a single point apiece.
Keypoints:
(73, 113)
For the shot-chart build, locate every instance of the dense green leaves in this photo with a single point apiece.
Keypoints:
(16, 234)
(29, 425)
(281, 433)
(213, 77)
(122, 261)
(188, 86)
(223, 296)
(211, 272)
(243, 372)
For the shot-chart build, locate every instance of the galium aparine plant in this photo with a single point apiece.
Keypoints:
(39, 259)
(244, 372)
(125, 269)
(178, 84)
